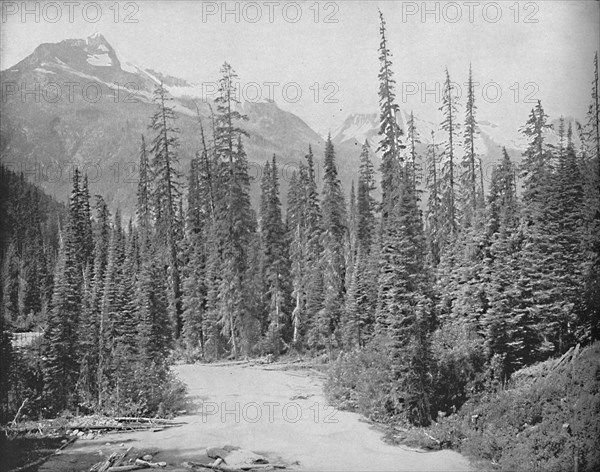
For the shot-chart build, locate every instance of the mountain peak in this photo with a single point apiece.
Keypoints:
(97, 39)
(96, 35)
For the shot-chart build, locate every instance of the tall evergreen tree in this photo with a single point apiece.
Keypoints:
(471, 194)
(404, 307)
(413, 138)
(61, 362)
(144, 196)
(434, 203)
(275, 257)
(333, 231)
(448, 171)
(237, 220)
(390, 144)
(166, 196)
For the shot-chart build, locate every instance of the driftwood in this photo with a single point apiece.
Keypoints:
(121, 457)
(129, 419)
(224, 468)
(154, 465)
(563, 357)
(14, 421)
(104, 466)
(572, 353)
(575, 352)
(126, 468)
(432, 438)
(114, 461)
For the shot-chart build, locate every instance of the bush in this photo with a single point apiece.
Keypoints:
(146, 389)
(547, 420)
(459, 366)
(361, 381)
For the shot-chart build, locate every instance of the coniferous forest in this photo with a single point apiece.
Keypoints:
(422, 287)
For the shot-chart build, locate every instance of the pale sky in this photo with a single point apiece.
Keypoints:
(525, 50)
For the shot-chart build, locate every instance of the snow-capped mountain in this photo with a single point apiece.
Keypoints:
(79, 102)
(360, 127)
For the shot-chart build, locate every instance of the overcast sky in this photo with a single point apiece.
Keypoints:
(524, 51)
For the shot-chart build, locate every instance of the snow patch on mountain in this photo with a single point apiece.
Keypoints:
(152, 77)
(127, 66)
(193, 91)
(100, 60)
(43, 71)
(359, 127)
(512, 139)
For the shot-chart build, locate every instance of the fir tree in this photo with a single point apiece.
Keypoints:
(237, 220)
(334, 229)
(468, 178)
(413, 139)
(275, 257)
(144, 196)
(166, 195)
(434, 204)
(390, 144)
(448, 171)
(366, 203)
(403, 310)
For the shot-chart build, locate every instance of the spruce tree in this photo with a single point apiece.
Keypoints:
(237, 224)
(468, 177)
(166, 196)
(144, 196)
(274, 256)
(591, 166)
(61, 362)
(404, 307)
(333, 232)
(448, 169)
(433, 219)
(413, 138)
(390, 144)
(366, 204)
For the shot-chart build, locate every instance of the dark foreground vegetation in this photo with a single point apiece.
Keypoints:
(545, 418)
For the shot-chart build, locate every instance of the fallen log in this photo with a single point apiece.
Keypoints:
(14, 421)
(131, 419)
(154, 465)
(563, 357)
(108, 463)
(432, 438)
(126, 468)
(121, 457)
(224, 468)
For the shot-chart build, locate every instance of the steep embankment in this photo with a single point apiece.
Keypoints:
(547, 419)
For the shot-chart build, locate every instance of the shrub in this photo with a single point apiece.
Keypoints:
(459, 366)
(360, 381)
(547, 420)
